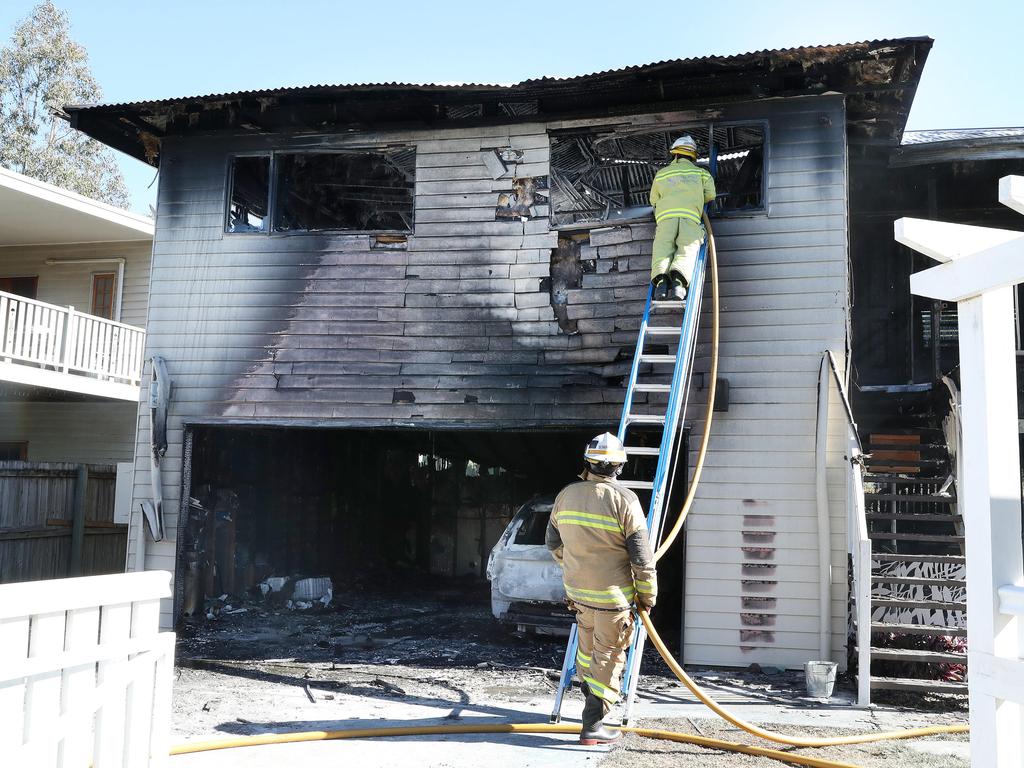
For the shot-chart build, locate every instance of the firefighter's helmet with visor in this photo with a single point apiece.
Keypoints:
(605, 455)
(685, 146)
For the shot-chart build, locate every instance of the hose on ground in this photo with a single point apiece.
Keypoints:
(538, 728)
(670, 660)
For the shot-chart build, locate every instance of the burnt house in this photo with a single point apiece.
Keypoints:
(392, 313)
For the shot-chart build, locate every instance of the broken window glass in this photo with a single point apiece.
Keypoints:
(359, 191)
(250, 190)
(604, 177)
(739, 167)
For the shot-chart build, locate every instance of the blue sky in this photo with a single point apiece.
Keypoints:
(148, 50)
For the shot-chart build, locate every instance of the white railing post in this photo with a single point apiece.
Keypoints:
(70, 338)
(860, 555)
(979, 268)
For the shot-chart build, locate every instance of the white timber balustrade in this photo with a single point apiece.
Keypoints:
(56, 347)
(979, 267)
(85, 673)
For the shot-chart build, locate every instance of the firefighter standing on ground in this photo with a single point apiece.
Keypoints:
(678, 195)
(598, 535)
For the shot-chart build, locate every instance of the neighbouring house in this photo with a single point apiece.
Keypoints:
(74, 284)
(391, 313)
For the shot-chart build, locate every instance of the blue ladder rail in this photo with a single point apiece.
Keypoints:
(674, 416)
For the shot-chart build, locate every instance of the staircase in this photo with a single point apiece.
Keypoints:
(918, 581)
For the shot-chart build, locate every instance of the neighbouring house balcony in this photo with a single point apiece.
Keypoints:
(45, 345)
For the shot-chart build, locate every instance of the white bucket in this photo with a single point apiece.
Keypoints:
(821, 678)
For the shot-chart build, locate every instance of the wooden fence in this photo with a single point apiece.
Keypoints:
(85, 673)
(53, 525)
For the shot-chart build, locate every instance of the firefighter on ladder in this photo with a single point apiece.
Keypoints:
(598, 535)
(678, 195)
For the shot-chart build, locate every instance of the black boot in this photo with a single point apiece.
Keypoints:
(661, 287)
(594, 730)
(678, 289)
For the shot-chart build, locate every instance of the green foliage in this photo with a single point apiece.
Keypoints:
(41, 70)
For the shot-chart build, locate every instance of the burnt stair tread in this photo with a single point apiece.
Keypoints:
(917, 629)
(878, 477)
(923, 498)
(935, 605)
(887, 535)
(910, 517)
(888, 557)
(917, 655)
(881, 578)
(914, 684)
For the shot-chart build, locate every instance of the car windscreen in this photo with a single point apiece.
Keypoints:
(535, 522)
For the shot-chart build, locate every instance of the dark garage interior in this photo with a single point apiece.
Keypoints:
(378, 511)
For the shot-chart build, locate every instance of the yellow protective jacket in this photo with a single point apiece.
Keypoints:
(598, 534)
(680, 190)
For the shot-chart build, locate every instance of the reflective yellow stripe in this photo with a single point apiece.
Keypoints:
(587, 524)
(645, 587)
(677, 213)
(613, 596)
(599, 689)
(582, 660)
(675, 172)
(588, 515)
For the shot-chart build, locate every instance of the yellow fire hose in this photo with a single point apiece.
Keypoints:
(670, 660)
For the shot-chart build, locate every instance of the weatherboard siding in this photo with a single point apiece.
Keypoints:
(77, 432)
(325, 331)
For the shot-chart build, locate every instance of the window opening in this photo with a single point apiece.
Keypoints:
(14, 451)
(354, 191)
(739, 171)
(103, 289)
(604, 177)
(20, 286)
(250, 192)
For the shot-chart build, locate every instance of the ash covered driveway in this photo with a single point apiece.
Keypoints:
(438, 657)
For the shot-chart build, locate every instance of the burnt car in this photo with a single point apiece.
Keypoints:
(526, 582)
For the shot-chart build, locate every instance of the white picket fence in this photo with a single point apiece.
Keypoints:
(59, 338)
(85, 673)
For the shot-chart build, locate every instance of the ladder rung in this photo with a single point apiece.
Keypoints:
(657, 358)
(636, 450)
(638, 484)
(644, 418)
(652, 388)
(655, 330)
(668, 304)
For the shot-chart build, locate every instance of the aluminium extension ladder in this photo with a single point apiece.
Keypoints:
(669, 421)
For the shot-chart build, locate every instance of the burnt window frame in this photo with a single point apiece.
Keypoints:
(710, 127)
(272, 180)
(229, 191)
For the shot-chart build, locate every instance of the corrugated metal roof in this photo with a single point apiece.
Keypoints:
(797, 52)
(960, 134)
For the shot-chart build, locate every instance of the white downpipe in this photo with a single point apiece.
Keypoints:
(824, 521)
(119, 288)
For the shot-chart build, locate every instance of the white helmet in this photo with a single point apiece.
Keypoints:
(605, 454)
(684, 145)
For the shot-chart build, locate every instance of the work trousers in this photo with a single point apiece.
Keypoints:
(676, 245)
(604, 638)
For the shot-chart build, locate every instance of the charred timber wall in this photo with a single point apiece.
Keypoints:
(458, 329)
